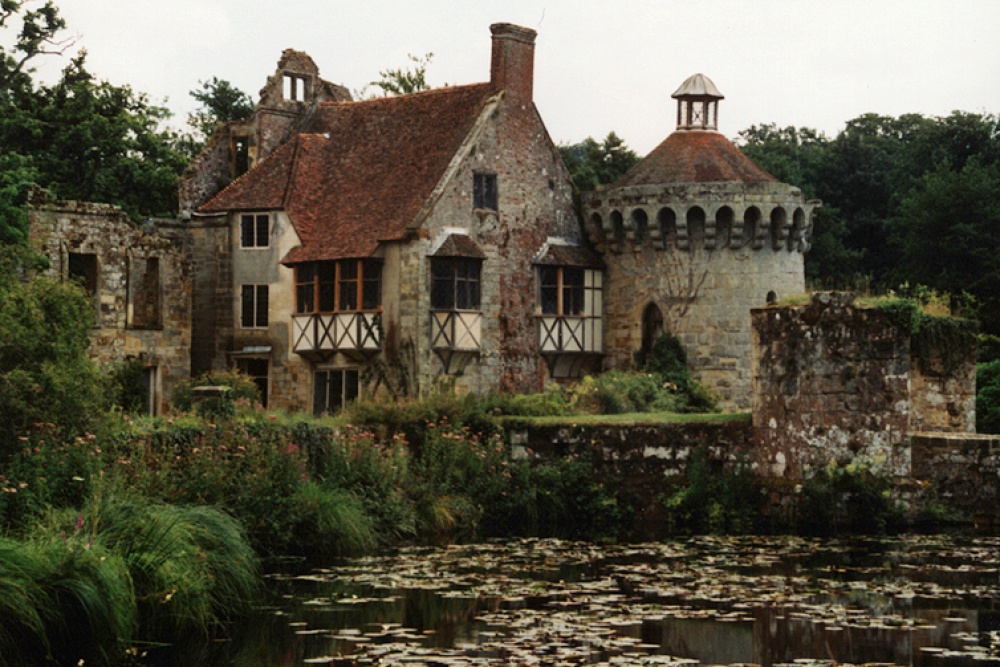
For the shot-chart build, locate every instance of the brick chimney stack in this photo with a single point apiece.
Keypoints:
(513, 64)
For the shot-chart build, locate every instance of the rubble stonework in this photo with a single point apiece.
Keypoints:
(964, 469)
(835, 381)
(139, 277)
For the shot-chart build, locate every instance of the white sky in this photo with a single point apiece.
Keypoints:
(600, 65)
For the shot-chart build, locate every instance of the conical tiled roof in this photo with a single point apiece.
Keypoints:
(695, 157)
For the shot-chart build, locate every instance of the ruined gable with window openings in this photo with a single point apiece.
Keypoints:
(139, 279)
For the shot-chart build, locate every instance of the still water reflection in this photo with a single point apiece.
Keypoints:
(914, 600)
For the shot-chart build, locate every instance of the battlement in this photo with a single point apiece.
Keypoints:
(709, 216)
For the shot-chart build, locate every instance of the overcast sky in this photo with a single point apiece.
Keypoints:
(600, 65)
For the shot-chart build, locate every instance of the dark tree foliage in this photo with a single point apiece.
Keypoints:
(221, 102)
(16, 178)
(38, 36)
(908, 199)
(988, 397)
(593, 164)
(81, 138)
(801, 157)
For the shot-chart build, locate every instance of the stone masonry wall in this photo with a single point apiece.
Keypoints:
(535, 202)
(211, 270)
(705, 297)
(142, 287)
(835, 381)
(964, 469)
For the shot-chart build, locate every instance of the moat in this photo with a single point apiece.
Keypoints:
(925, 600)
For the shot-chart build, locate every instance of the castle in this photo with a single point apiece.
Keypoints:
(323, 239)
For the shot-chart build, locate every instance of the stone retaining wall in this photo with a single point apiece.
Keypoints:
(963, 468)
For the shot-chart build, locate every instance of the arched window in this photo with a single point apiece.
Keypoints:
(652, 327)
(617, 227)
(798, 229)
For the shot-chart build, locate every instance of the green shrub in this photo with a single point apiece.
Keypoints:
(192, 566)
(553, 401)
(668, 359)
(330, 523)
(618, 392)
(127, 386)
(458, 471)
(562, 498)
(714, 498)
(47, 470)
(46, 375)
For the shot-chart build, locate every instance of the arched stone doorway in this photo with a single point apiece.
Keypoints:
(652, 327)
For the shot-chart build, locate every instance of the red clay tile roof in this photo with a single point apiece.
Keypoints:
(695, 157)
(361, 172)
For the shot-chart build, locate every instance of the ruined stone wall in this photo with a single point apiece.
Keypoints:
(835, 381)
(535, 202)
(141, 284)
(207, 174)
(943, 395)
(645, 461)
(274, 118)
(211, 304)
(964, 469)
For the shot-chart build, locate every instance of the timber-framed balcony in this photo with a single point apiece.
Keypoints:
(321, 335)
(570, 344)
(456, 337)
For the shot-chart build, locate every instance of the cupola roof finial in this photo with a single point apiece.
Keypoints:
(697, 104)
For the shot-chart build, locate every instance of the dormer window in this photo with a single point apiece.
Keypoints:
(295, 87)
(484, 191)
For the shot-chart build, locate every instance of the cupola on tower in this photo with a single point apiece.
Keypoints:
(694, 236)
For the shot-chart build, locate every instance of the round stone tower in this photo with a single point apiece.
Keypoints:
(694, 236)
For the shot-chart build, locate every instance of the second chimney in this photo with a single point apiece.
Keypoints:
(513, 65)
